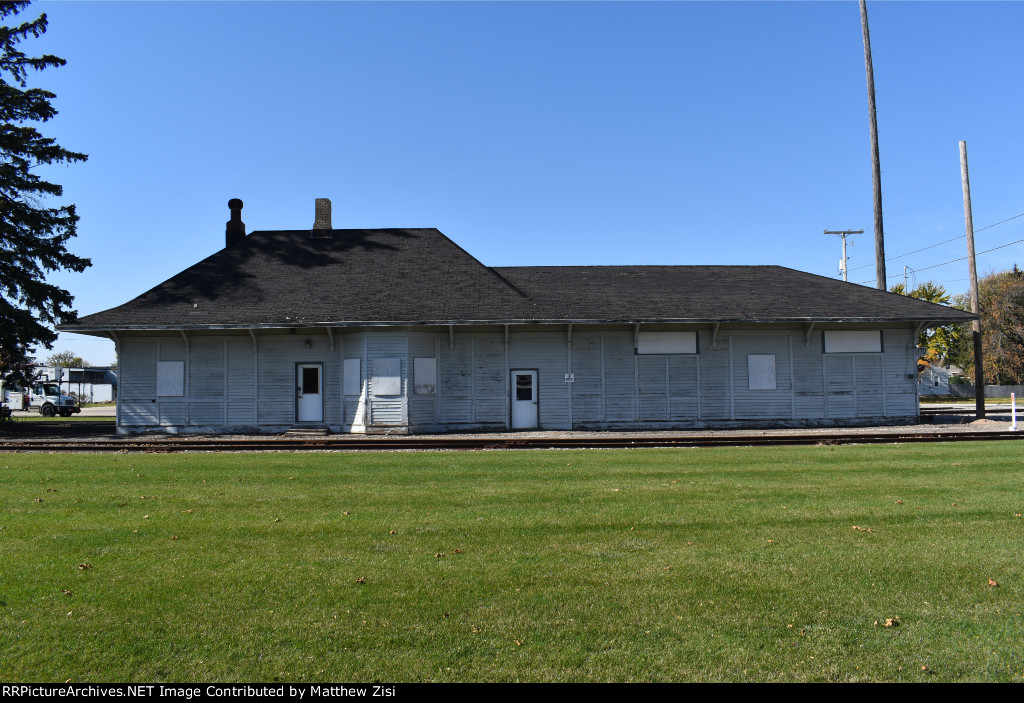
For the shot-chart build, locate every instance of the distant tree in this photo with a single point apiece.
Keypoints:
(33, 236)
(1001, 301)
(1001, 305)
(66, 359)
(939, 341)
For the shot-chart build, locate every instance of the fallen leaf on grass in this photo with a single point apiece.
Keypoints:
(174, 536)
(85, 566)
(457, 551)
(361, 579)
(39, 500)
(899, 502)
(439, 555)
(393, 532)
(66, 592)
(862, 529)
(993, 582)
(925, 668)
(277, 519)
(889, 622)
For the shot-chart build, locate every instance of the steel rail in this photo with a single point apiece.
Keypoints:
(482, 443)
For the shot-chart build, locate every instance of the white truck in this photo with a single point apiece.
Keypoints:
(44, 396)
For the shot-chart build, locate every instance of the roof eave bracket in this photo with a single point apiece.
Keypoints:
(255, 344)
(807, 339)
(330, 336)
(451, 336)
(714, 335)
(184, 336)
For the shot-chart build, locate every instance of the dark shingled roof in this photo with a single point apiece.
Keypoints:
(408, 276)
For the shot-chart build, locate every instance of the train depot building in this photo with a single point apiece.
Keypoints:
(402, 331)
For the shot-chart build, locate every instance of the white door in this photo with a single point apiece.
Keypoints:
(524, 400)
(309, 404)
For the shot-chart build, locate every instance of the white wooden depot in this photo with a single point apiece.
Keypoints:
(444, 378)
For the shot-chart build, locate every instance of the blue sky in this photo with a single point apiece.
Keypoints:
(536, 133)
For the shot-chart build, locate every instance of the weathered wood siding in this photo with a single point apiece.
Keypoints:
(472, 387)
(229, 385)
(545, 350)
(277, 357)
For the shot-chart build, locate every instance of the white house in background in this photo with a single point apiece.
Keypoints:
(934, 380)
(401, 330)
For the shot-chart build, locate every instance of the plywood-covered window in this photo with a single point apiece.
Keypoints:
(170, 378)
(425, 376)
(761, 372)
(667, 343)
(353, 372)
(846, 341)
(387, 377)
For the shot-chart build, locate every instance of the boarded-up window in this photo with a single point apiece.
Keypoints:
(761, 372)
(425, 376)
(387, 377)
(353, 377)
(667, 343)
(845, 341)
(170, 378)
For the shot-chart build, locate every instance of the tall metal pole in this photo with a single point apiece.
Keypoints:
(876, 169)
(979, 371)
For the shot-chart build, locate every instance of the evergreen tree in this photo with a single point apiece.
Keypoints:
(33, 236)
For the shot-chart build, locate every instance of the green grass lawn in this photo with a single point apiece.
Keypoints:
(645, 565)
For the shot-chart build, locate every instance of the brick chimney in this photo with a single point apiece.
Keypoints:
(235, 231)
(322, 218)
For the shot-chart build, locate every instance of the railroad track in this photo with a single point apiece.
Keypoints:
(479, 443)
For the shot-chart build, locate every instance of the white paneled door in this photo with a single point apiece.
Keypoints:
(309, 403)
(524, 400)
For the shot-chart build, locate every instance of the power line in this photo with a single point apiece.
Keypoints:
(947, 241)
(953, 261)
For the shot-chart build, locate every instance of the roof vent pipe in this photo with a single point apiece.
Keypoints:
(235, 231)
(322, 218)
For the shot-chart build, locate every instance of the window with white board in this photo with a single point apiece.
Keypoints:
(170, 378)
(847, 341)
(424, 376)
(353, 372)
(761, 372)
(387, 377)
(666, 343)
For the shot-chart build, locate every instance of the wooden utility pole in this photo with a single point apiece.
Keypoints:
(876, 169)
(844, 233)
(979, 371)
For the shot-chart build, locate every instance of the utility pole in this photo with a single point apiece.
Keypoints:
(843, 234)
(876, 169)
(979, 371)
